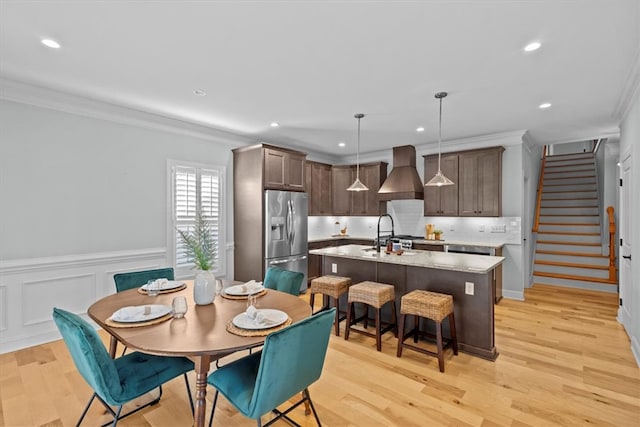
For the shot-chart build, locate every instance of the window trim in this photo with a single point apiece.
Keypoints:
(170, 231)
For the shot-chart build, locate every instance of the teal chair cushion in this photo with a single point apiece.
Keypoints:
(289, 362)
(125, 281)
(116, 381)
(283, 280)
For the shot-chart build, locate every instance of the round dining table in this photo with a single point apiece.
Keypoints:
(201, 335)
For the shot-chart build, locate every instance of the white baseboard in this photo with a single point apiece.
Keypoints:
(31, 288)
(516, 295)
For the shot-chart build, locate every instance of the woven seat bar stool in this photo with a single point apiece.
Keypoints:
(331, 287)
(375, 295)
(433, 306)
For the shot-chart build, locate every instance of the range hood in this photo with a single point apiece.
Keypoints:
(403, 183)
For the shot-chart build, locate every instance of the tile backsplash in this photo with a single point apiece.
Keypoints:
(408, 219)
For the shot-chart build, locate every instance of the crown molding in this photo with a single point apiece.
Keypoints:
(39, 96)
(630, 90)
(475, 142)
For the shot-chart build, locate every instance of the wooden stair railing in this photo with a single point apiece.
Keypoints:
(536, 220)
(612, 247)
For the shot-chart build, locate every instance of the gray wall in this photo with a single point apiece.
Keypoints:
(72, 184)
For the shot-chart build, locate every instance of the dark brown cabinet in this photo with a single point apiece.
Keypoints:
(428, 247)
(480, 185)
(358, 202)
(318, 186)
(284, 169)
(441, 201)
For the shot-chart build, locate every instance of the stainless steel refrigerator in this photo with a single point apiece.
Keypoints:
(285, 228)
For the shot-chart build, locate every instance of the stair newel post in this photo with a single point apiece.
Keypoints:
(612, 243)
(536, 221)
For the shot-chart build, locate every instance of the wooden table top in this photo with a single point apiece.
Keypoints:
(203, 329)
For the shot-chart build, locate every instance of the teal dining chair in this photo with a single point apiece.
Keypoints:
(290, 361)
(135, 279)
(283, 280)
(116, 381)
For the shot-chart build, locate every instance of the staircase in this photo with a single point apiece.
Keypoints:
(569, 244)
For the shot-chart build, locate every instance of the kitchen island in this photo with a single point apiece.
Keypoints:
(468, 278)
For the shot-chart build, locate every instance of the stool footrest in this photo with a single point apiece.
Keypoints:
(387, 327)
(342, 314)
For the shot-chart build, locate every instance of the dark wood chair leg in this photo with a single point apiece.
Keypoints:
(452, 329)
(416, 327)
(312, 300)
(366, 315)
(439, 342)
(400, 336)
(395, 318)
(378, 334)
(337, 321)
(348, 325)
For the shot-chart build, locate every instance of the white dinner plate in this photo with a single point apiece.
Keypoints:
(135, 313)
(271, 319)
(244, 289)
(170, 284)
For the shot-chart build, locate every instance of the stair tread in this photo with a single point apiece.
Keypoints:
(570, 253)
(575, 277)
(570, 177)
(564, 185)
(572, 224)
(546, 172)
(572, 264)
(569, 191)
(570, 198)
(569, 214)
(568, 233)
(581, 156)
(574, 164)
(553, 242)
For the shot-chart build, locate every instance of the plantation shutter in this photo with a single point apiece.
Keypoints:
(196, 190)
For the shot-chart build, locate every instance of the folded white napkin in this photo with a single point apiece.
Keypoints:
(251, 287)
(161, 284)
(130, 313)
(258, 317)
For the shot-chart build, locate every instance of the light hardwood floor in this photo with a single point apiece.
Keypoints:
(564, 360)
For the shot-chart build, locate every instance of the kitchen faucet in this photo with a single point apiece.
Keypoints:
(384, 231)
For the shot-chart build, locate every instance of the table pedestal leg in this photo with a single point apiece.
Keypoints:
(202, 369)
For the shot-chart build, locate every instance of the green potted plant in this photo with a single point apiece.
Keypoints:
(201, 250)
(437, 233)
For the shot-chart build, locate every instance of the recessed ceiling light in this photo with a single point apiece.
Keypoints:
(275, 124)
(544, 105)
(51, 43)
(199, 92)
(420, 129)
(341, 144)
(532, 46)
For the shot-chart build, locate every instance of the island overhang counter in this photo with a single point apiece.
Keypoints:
(448, 273)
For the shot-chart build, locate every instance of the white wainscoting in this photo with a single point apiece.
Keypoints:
(29, 289)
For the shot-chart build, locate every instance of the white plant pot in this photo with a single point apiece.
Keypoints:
(204, 287)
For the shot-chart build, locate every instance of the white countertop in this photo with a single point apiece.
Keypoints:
(495, 245)
(428, 259)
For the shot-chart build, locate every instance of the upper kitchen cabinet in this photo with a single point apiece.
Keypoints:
(368, 202)
(318, 185)
(358, 202)
(480, 182)
(283, 169)
(441, 201)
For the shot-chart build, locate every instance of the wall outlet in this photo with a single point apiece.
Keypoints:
(334, 268)
(481, 229)
(499, 228)
(468, 288)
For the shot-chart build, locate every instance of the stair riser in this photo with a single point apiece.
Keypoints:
(569, 238)
(568, 166)
(570, 194)
(569, 248)
(568, 187)
(569, 202)
(570, 158)
(568, 211)
(575, 284)
(602, 262)
(572, 219)
(568, 174)
(589, 272)
(583, 179)
(570, 228)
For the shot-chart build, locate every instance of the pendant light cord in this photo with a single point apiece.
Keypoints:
(358, 152)
(440, 136)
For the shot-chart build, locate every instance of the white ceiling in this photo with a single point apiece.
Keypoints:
(311, 65)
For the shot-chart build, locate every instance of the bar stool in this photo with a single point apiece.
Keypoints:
(433, 306)
(332, 287)
(375, 295)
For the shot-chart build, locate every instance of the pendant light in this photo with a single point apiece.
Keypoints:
(357, 184)
(439, 179)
